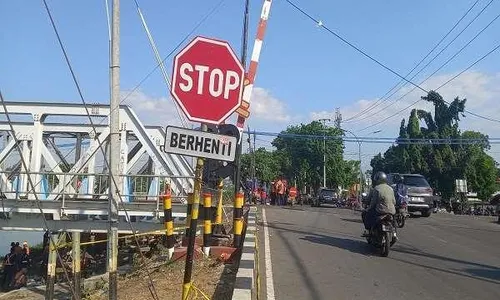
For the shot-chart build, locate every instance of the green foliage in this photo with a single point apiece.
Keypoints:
(301, 159)
(444, 163)
(267, 165)
(305, 156)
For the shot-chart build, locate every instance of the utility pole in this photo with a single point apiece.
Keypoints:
(114, 154)
(338, 118)
(324, 149)
(239, 147)
(252, 153)
(254, 158)
(359, 157)
(360, 172)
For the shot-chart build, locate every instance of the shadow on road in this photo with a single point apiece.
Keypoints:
(312, 231)
(309, 282)
(354, 246)
(478, 274)
(292, 208)
(353, 220)
(440, 257)
(480, 271)
(346, 242)
(493, 273)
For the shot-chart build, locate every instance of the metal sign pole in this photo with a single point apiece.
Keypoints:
(192, 227)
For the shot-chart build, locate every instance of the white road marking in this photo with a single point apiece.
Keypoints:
(267, 254)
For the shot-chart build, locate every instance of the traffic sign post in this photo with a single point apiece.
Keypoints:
(207, 83)
(200, 144)
(207, 80)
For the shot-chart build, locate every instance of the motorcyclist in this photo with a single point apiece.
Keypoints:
(381, 199)
(400, 191)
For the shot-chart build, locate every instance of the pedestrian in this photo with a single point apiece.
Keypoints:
(26, 248)
(8, 266)
(263, 195)
(280, 190)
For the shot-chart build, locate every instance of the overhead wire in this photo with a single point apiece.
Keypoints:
(364, 53)
(320, 24)
(151, 286)
(430, 61)
(35, 195)
(383, 98)
(386, 140)
(182, 118)
(173, 50)
(442, 85)
(435, 71)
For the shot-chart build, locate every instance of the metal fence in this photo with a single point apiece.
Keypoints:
(86, 186)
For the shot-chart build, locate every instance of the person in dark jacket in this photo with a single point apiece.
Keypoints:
(22, 264)
(9, 267)
(382, 202)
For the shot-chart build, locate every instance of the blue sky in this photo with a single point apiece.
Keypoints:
(304, 72)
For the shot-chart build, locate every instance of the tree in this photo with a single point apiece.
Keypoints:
(267, 166)
(441, 163)
(301, 150)
(299, 158)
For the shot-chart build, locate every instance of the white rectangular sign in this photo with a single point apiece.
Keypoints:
(461, 185)
(200, 144)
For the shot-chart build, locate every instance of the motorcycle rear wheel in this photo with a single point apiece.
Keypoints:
(400, 221)
(386, 244)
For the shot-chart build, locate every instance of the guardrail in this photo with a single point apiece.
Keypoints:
(87, 186)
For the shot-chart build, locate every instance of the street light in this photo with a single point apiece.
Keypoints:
(324, 149)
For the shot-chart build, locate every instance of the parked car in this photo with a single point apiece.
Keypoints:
(325, 196)
(420, 193)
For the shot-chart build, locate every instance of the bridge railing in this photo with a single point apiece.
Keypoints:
(86, 186)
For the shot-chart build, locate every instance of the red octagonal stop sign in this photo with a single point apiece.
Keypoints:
(207, 80)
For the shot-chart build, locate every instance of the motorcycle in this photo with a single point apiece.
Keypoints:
(383, 235)
(402, 213)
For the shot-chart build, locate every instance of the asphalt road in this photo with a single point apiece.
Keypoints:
(317, 253)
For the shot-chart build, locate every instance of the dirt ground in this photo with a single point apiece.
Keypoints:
(213, 278)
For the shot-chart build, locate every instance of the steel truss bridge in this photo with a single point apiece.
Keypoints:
(61, 149)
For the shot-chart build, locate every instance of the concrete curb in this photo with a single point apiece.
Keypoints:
(245, 278)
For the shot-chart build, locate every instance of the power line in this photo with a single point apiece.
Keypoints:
(381, 99)
(442, 85)
(320, 23)
(181, 42)
(181, 116)
(198, 25)
(435, 71)
(151, 286)
(376, 139)
(37, 199)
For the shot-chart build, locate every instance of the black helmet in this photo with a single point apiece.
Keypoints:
(379, 178)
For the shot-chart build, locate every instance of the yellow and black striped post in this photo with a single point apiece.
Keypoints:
(207, 228)
(238, 220)
(218, 228)
(220, 193)
(169, 222)
(188, 269)
(188, 213)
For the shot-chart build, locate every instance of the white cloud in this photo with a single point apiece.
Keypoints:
(159, 111)
(265, 109)
(268, 108)
(481, 90)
